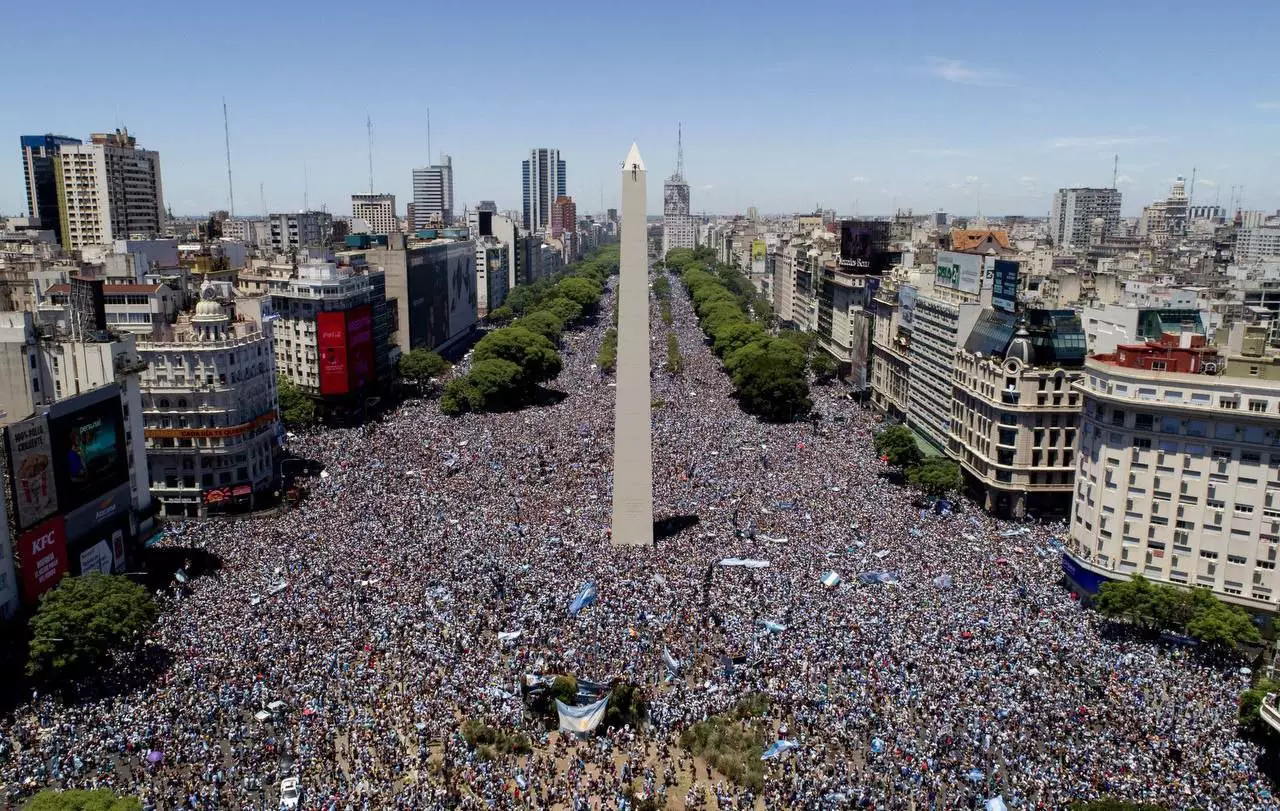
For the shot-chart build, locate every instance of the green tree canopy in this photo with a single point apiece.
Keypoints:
(936, 476)
(420, 365)
(459, 397)
(82, 621)
(583, 290)
(1159, 606)
(79, 800)
(297, 409)
(898, 443)
(533, 353)
(607, 358)
(768, 386)
(732, 337)
(822, 364)
(501, 315)
(543, 322)
(497, 381)
(1249, 711)
(566, 309)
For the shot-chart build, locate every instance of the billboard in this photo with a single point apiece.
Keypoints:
(102, 550)
(89, 453)
(757, 250)
(35, 494)
(864, 246)
(104, 509)
(43, 552)
(959, 271)
(1004, 286)
(461, 259)
(88, 304)
(907, 306)
(359, 324)
(331, 345)
(873, 289)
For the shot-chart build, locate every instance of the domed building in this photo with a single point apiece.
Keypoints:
(210, 411)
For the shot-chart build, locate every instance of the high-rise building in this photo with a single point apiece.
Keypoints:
(39, 171)
(677, 225)
(110, 190)
(1177, 465)
(564, 216)
(378, 210)
(1074, 211)
(292, 231)
(433, 194)
(941, 328)
(544, 181)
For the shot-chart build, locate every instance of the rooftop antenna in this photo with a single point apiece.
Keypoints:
(1191, 195)
(263, 197)
(369, 126)
(226, 132)
(1115, 170)
(680, 150)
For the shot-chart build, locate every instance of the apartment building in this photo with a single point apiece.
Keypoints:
(293, 231)
(1178, 474)
(893, 308)
(939, 329)
(109, 189)
(378, 211)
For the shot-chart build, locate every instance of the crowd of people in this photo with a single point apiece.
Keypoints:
(346, 640)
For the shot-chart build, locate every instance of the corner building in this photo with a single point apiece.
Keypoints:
(1179, 468)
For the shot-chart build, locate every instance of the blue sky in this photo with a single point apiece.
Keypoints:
(858, 106)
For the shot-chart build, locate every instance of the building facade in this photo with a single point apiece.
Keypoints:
(492, 274)
(677, 224)
(108, 189)
(377, 210)
(210, 411)
(890, 379)
(40, 174)
(564, 216)
(543, 178)
(1179, 470)
(1074, 210)
(433, 194)
(293, 231)
(434, 287)
(939, 329)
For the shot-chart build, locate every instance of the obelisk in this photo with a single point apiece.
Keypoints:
(632, 449)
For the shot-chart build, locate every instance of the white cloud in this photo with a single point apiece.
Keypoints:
(958, 72)
(1097, 141)
(859, 179)
(1267, 105)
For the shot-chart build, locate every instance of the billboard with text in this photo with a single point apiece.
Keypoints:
(1004, 285)
(331, 345)
(43, 554)
(906, 306)
(959, 271)
(360, 347)
(35, 494)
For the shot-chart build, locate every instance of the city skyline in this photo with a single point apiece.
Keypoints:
(885, 128)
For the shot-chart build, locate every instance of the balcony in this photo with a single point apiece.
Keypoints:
(1269, 712)
(1010, 396)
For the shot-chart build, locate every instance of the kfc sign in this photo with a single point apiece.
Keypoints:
(43, 554)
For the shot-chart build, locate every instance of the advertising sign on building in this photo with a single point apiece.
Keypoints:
(35, 494)
(360, 347)
(8, 575)
(102, 510)
(959, 271)
(97, 558)
(856, 245)
(872, 288)
(43, 552)
(906, 306)
(1004, 285)
(331, 345)
(89, 453)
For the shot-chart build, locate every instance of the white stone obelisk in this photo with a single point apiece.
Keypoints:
(632, 448)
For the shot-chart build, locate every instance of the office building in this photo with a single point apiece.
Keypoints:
(1259, 243)
(940, 328)
(433, 284)
(293, 231)
(893, 307)
(544, 181)
(677, 225)
(377, 211)
(1166, 220)
(1179, 467)
(1111, 325)
(110, 189)
(1074, 211)
(433, 194)
(492, 274)
(564, 216)
(40, 173)
(141, 309)
(210, 411)
(1014, 412)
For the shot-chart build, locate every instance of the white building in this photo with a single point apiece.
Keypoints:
(1179, 471)
(293, 231)
(677, 225)
(378, 211)
(210, 409)
(543, 177)
(110, 190)
(492, 274)
(1258, 244)
(433, 194)
(140, 309)
(1074, 211)
(939, 329)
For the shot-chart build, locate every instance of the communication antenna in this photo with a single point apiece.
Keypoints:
(369, 126)
(1115, 171)
(680, 150)
(226, 132)
(262, 194)
(1191, 195)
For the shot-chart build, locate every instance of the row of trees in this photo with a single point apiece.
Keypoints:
(510, 363)
(936, 476)
(768, 373)
(675, 363)
(1195, 612)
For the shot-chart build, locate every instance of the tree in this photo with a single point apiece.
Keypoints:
(1249, 713)
(543, 322)
(497, 381)
(898, 443)
(1130, 600)
(806, 341)
(81, 622)
(1197, 612)
(733, 337)
(1225, 625)
(459, 397)
(675, 363)
(501, 315)
(822, 365)
(79, 800)
(768, 386)
(585, 291)
(607, 358)
(534, 354)
(420, 365)
(297, 409)
(936, 476)
(566, 309)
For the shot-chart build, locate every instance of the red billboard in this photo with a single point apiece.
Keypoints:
(43, 551)
(331, 344)
(360, 347)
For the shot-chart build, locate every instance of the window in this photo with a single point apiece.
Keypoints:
(1158, 366)
(1258, 406)
(1244, 509)
(1172, 396)
(1200, 399)
(1146, 394)
(1144, 422)
(1207, 555)
(1266, 564)
(1229, 403)
(1238, 560)
(1170, 425)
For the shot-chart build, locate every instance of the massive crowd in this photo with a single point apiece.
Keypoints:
(372, 610)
